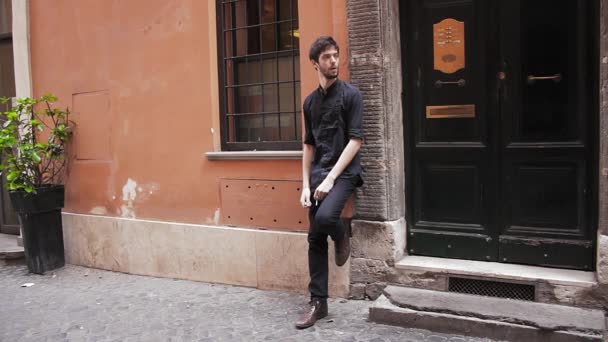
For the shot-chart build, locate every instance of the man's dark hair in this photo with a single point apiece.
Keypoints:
(320, 45)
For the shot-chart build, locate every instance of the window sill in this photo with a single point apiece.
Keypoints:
(254, 155)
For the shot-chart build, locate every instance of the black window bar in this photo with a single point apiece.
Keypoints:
(258, 56)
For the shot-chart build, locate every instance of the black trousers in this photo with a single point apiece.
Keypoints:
(325, 221)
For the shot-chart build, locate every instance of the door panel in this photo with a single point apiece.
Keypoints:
(545, 197)
(499, 128)
(451, 164)
(545, 50)
(460, 183)
(546, 252)
(546, 147)
(548, 44)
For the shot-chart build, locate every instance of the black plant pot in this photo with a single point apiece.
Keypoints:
(40, 218)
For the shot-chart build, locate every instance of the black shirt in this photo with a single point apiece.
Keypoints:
(331, 119)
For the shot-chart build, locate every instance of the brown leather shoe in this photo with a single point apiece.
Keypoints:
(316, 309)
(342, 248)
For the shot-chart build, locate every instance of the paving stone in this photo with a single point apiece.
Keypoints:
(81, 304)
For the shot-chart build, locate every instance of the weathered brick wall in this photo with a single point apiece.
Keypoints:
(375, 67)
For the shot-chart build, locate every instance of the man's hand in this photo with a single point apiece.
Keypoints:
(305, 198)
(324, 188)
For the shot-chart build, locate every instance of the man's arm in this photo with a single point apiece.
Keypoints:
(308, 152)
(346, 157)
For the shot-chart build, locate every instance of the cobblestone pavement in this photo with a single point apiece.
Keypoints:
(81, 304)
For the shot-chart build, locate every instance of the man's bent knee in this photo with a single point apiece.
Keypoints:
(323, 220)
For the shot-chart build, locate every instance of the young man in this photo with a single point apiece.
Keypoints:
(331, 169)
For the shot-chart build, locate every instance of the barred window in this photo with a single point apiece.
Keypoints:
(259, 71)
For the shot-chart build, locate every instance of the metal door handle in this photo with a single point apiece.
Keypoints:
(555, 78)
(460, 83)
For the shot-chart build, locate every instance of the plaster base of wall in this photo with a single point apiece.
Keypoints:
(246, 257)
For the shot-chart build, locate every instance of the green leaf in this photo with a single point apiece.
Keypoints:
(36, 157)
(48, 98)
(12, 116)
(12, 175)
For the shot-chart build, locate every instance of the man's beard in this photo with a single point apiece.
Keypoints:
(328, 75)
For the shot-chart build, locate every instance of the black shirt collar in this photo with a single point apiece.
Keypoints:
(330, 89)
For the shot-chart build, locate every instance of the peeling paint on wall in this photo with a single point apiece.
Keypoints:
(128, 191)
(132, 192)
(100, 210)
(128, 196)
(126, 211)
(215, 220)
(144, 191)
(216, 217)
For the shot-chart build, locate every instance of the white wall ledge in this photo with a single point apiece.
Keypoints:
(254, 155)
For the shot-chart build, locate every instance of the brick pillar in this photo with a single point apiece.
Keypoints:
(375, 66)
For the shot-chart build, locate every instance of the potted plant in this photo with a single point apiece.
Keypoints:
(34, 140)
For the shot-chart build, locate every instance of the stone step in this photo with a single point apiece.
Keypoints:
(551, 285)
(495, 318)
(10, 252)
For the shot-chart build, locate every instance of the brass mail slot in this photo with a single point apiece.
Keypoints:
(451, 111)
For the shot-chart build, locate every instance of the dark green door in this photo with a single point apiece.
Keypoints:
(500, 114)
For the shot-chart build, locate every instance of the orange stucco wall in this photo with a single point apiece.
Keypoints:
(141, 79)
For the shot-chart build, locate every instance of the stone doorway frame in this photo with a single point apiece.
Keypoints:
(375, 68)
